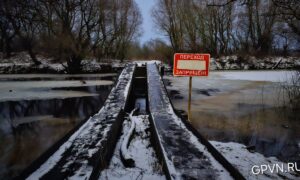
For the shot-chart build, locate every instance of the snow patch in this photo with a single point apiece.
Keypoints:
(141, 62)
(127, 137)
(243, 160)
(146, 164)
(126, 90)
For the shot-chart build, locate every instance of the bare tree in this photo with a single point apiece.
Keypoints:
(193, 27)
(7, 32)
(21, 16)
(70, 29)
(289, 12)
(166, 18)
(225, 26)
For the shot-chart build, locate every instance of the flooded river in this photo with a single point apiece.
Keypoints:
(242, 107)
(38, 110)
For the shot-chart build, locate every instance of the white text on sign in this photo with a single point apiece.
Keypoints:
(191, 64)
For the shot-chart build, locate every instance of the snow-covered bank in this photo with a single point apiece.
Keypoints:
(47, 67)
(250, 62)
(243, 160)
(20, 63)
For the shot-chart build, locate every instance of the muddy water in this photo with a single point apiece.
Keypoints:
(247, 112)
(46, 113)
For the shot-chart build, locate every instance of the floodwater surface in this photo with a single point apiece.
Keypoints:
(242, 107)
(38, 110)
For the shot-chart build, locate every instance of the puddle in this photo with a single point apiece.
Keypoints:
(247, 112)
(140, 103)
(40, 113)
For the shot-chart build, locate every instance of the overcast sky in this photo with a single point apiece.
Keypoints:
(149, 31)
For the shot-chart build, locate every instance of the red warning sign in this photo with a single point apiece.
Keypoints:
(186, 64)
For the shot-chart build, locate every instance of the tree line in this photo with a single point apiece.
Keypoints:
(69, 30)
(223, 27)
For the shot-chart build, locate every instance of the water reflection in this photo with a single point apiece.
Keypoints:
(29, 127)
(265, 131)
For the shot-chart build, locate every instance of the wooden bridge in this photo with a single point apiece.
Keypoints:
(86, 151)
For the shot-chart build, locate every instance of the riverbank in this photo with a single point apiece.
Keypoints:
(235, 62)
(20, 63)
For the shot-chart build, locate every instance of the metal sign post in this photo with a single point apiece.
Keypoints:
(190, 98)
(191, 65)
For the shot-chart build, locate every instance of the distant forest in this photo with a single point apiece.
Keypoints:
(222, 27)
(71, 30)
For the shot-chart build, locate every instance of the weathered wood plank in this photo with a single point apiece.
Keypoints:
(184, 156)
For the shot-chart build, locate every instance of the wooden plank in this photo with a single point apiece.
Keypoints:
(182, 157)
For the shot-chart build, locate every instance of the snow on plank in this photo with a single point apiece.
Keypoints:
(184, 156)
(146, 164)
(90, 147)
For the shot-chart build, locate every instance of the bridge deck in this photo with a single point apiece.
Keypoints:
(89, 149)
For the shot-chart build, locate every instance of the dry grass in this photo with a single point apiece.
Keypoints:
(291, 95)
